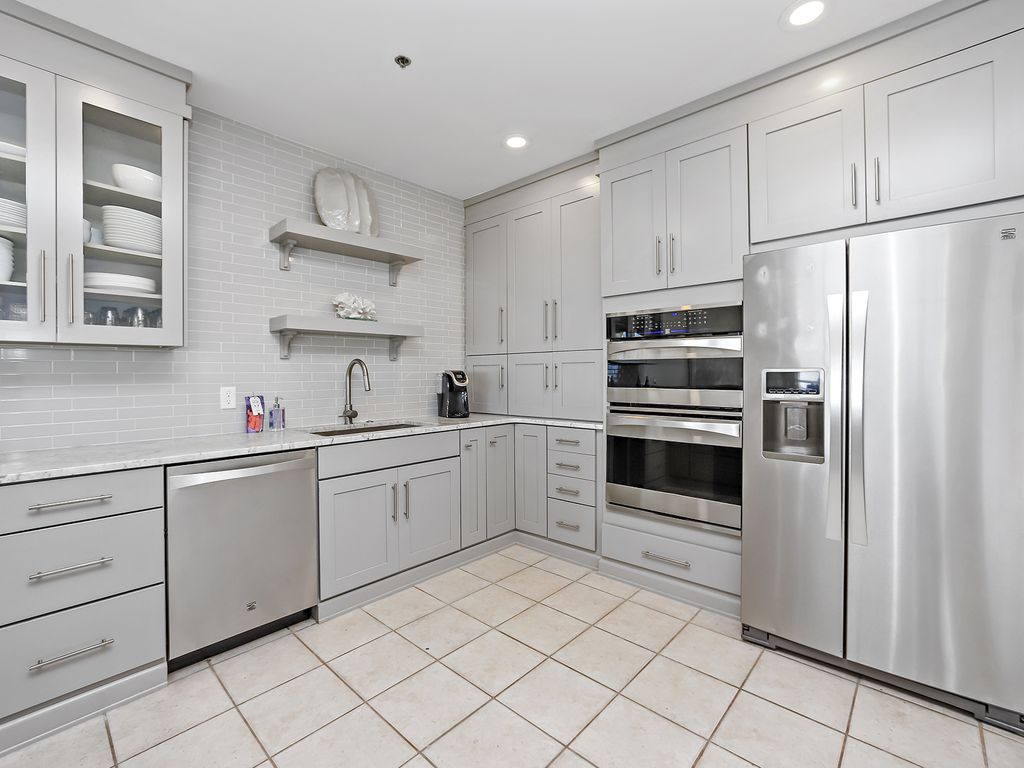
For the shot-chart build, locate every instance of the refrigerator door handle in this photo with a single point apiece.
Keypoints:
(857, 481)
(834, 492)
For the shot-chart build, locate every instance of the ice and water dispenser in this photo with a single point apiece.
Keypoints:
(793, 414)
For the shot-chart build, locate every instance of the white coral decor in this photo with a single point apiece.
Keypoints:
(352, 307)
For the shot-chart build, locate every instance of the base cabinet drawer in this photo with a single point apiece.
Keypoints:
(572, 440)
(571, 489)
(572, 524)
(70, 499)
(55, 655)
(681, 559)
(571, 464)
(55, 568)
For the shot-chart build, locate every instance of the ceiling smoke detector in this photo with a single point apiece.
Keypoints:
(402, 61)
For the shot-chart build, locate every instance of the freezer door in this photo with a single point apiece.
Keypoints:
(936, 483)
(792, 563)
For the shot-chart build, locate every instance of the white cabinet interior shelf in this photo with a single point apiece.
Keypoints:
(98, 193)
(289, 233)
(287, 327)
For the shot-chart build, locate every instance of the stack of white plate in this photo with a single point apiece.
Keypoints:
(131, 229)
(6, 259)
(111, 281)
(12, 213)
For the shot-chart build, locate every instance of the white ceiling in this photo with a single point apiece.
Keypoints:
(562, 72)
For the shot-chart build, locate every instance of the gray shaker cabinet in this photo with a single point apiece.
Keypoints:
(501, 478)
(474, 486)
(633, 227)
(488, 390)
(358, 530)
(530, 290)
(429, 518)
(531, 479)
(486, 309)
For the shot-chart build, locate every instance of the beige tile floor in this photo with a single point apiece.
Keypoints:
(521, 660)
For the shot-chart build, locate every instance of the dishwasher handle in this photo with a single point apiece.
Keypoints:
(175, 482)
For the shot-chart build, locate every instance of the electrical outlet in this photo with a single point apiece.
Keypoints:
(227, 398)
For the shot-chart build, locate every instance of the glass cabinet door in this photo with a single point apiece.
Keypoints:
(119, 219)
(27, 205)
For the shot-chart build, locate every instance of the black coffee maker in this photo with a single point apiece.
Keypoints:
(453, 395)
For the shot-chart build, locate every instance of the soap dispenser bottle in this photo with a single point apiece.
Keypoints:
(275, 418)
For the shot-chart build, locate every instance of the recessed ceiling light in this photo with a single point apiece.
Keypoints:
(801, 13)
(516, 142)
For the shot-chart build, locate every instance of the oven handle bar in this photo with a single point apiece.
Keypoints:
(678, 430)
(720, 346)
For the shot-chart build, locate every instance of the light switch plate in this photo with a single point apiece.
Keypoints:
(227, 398)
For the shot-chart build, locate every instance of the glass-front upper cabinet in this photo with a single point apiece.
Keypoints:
(119, 219)
(27, 205)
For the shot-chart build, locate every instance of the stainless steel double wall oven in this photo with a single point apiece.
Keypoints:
(675, 400)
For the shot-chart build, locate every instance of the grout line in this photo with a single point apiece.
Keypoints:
(239, 713)
(110, 739)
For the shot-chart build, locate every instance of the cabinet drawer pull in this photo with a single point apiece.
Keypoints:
(568, 491)
(566, 441)
(69, 569)
(662, 558)
(71, 654)
(567, 526)
(70, 502)
(563, 465)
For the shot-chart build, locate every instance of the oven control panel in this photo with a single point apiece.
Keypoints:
(681, 321)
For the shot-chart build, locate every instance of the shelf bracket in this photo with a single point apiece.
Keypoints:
(285, 340)
(395, 343)
(286, 254)
(393, 269)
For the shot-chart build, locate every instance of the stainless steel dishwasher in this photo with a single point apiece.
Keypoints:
(241, 546)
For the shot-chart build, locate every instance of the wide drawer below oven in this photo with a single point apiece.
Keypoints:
(55, 655)
(53, 568)
(681, 559)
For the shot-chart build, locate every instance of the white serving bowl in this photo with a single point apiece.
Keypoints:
(138, 181)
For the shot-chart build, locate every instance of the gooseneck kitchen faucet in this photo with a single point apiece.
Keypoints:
(350, 413)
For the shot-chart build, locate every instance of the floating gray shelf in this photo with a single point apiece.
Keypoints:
(287, 327)
(289, 233)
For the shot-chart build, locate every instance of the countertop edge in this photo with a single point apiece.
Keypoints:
(31, 466)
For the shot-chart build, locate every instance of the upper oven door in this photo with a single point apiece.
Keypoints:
(703, 372)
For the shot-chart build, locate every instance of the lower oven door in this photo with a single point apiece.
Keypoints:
(686, 466)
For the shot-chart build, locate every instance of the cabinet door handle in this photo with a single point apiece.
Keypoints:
(563, 465)
(672, 254)
(568, 526)
(853, 183)
(878, 181)
(568, 491)
(501, 377)
(501, 325)
(70, 655)
(71, 289)
(493, 443)
(556, 375)
(546, 376)
(69, 502)
(42, 286)
(554, 318)
(566, 441)
(43, 574)
(408, 501)
(394, 502)
(657, 254)
(468, 445)
(664, 559)
(545, 321)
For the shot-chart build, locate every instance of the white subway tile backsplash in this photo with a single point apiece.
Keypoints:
(242, 181)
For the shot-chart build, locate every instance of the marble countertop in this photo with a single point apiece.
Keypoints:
(23, 466)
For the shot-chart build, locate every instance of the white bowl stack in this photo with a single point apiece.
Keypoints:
(13, 213)
(6, 259)
(131, 229)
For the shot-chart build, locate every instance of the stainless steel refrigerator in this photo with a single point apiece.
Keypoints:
(883, 456)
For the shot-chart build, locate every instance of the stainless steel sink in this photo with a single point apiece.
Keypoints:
(355, 429)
